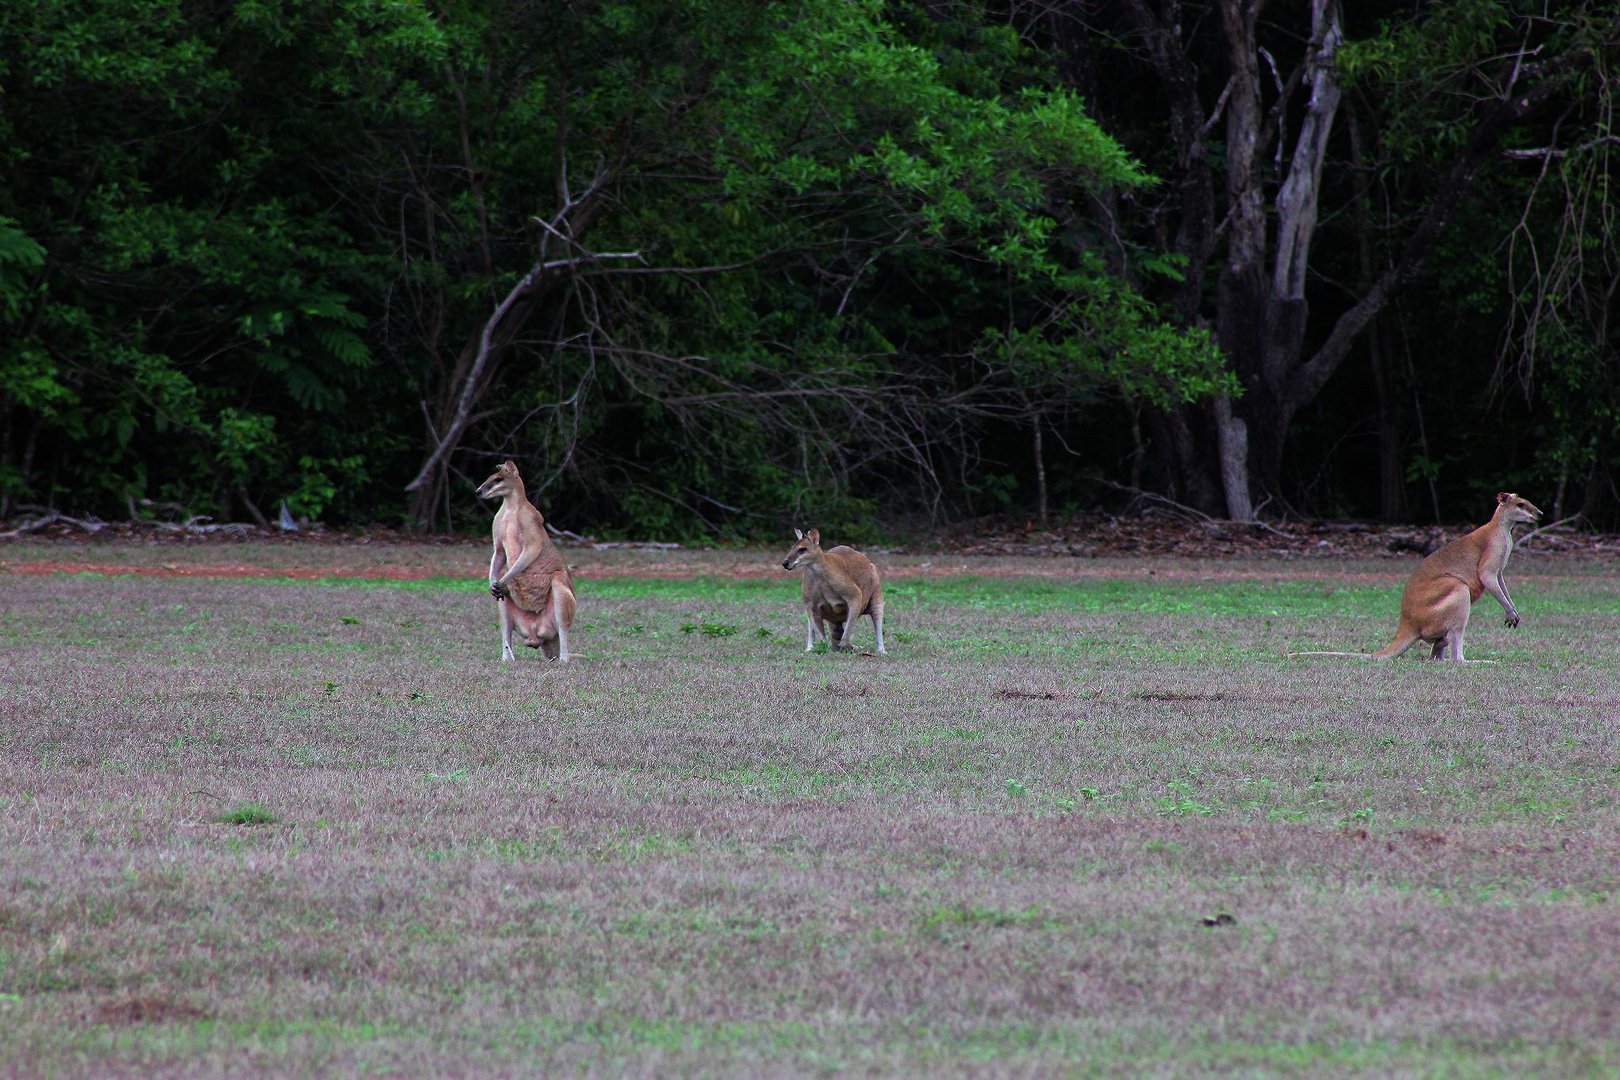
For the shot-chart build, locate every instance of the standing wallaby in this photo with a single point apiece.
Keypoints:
(840, 586)
(1443, 588)
(527, 575)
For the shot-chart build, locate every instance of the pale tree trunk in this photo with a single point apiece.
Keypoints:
(1260, 303)
(1232, 435)
(1260, 320)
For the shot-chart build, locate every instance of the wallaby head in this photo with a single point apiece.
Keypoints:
(502, 482)
(1515, 509)
(809, 543)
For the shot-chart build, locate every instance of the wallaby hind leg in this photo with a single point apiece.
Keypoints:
(562, 613)
(1455, 615)
(840, 633)
(506, 629)
(877, 625)
(1454, 646)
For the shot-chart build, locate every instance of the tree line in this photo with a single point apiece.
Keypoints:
(715, 266)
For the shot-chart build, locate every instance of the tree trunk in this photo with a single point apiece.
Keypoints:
(1391, 482)
(1190, 476)
(1040, 475)
(1391, 477)
(1261, 319)
(1233, 436)
(1260, 306)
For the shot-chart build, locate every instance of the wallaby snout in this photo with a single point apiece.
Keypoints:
(502, 482)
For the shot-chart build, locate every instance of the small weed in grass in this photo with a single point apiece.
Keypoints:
(348, 620)
(455, 776)
(1180, 802)
(248, 813)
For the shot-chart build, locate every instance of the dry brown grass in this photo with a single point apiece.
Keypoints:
(1099, 828)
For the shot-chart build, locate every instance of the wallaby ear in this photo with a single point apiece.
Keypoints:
(797, 535)
(814, 536)
(1503, 496)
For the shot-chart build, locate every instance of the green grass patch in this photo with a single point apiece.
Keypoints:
(699, 850)
(248, 813)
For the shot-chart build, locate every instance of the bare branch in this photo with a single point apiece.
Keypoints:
(91, 525)
(1544, 152)
(1215, 113)
(1561, 525)
(471, 387)
(1454, 187)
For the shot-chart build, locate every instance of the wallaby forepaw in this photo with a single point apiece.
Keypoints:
(1511, 622)
(498, 590)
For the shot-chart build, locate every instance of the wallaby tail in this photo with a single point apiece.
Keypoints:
(1356, 655)
(1404, 639)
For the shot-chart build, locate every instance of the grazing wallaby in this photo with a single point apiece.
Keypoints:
(840, 586)
(1440, 592)
(527, 575)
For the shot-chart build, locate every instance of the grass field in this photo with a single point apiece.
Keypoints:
(1084, 819)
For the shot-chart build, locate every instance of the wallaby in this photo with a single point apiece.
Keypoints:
(840, 586)
(527, 575)
(1443, 588)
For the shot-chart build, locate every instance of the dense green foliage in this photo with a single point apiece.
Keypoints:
(700, 267)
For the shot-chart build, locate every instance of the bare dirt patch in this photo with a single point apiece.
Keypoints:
(1170, 695)
(1157, 545)
(317, 562)
(382, 573)
(144, 1009)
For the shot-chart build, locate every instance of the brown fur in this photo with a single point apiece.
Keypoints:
(1443, 588)
(840, 585)
(527, 574)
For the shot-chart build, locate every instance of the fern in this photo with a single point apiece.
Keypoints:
(17, 248)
